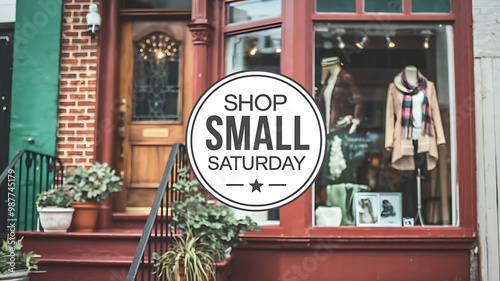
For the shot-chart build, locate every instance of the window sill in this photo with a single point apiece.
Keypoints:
(393, 232)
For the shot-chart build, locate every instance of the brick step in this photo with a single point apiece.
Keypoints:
(69, 268)
(133, 221)
(101, 255)
(129, 221)
(97, 244)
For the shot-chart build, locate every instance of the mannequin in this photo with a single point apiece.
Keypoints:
(413, 131)
(330, 71)
(339, 99)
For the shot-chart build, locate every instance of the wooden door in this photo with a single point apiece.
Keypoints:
(155, 101)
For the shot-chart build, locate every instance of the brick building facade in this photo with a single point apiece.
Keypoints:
(76, 116)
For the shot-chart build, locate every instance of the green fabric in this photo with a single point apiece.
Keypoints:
(338, 6)
(430, 6)
(342, 196)
(35, 75)
(384, 6)
(35, 87)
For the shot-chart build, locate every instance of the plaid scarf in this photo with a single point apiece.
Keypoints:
(406, 110)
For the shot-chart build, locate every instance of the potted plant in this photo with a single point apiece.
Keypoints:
(14, 264)
(187, 259)
(215, 224)
(54, 209)
(92, 186)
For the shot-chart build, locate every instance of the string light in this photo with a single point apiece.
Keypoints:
(253, 51)
(158, 45)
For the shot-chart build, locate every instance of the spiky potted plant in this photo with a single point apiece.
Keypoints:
(187, 259)
(15, 265)
(93, 186)
(54, 208)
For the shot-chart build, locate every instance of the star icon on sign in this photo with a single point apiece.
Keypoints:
(256, 186)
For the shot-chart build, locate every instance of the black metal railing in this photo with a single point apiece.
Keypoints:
(158, 228)
(27, 175)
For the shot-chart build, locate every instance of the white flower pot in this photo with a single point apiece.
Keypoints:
(21, 275)
(55, 219)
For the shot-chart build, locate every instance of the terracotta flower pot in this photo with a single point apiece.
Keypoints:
(85, 216)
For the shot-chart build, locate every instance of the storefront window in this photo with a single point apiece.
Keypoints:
(253, 10)
(259, 50)
(387, 95)
(431, 6)
(338, 6)
(384, 6)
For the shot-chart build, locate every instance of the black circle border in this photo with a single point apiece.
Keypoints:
(253, 73)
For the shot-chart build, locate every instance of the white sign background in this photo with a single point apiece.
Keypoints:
(286, 174)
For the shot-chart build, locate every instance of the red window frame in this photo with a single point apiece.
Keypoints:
(297, 23)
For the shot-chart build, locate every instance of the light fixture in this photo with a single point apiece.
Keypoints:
(390, 44)
(93, 20)
(427, 34)
(361, 44)
(158, 46)
(341, 42)
(279, 50)
(339, 32)
(253, 51)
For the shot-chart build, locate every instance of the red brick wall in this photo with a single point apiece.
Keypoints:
(75, 134)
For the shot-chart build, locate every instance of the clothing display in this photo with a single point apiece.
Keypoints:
(342, 166)
(415, 107)
(336, 162)
(342, 196)
(398, 137)
(344, 98)
(409, 183)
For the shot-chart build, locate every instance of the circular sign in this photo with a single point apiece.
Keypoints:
(256, 140)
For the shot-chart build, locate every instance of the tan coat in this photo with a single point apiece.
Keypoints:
(402, 149)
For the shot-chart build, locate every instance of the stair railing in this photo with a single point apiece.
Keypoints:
(25, 177)
(158, 227)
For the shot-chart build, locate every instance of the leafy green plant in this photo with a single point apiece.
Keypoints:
(216, 225)
(95, 184)
(186, 259)
(58, 197)
(20, 261)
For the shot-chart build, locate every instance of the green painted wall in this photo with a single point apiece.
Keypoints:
(37, 42)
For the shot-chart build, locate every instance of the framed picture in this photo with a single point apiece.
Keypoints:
(378, 209)
(390, 209)
(367, 209)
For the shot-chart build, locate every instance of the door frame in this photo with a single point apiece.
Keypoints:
(6, 29)
(127, 127)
